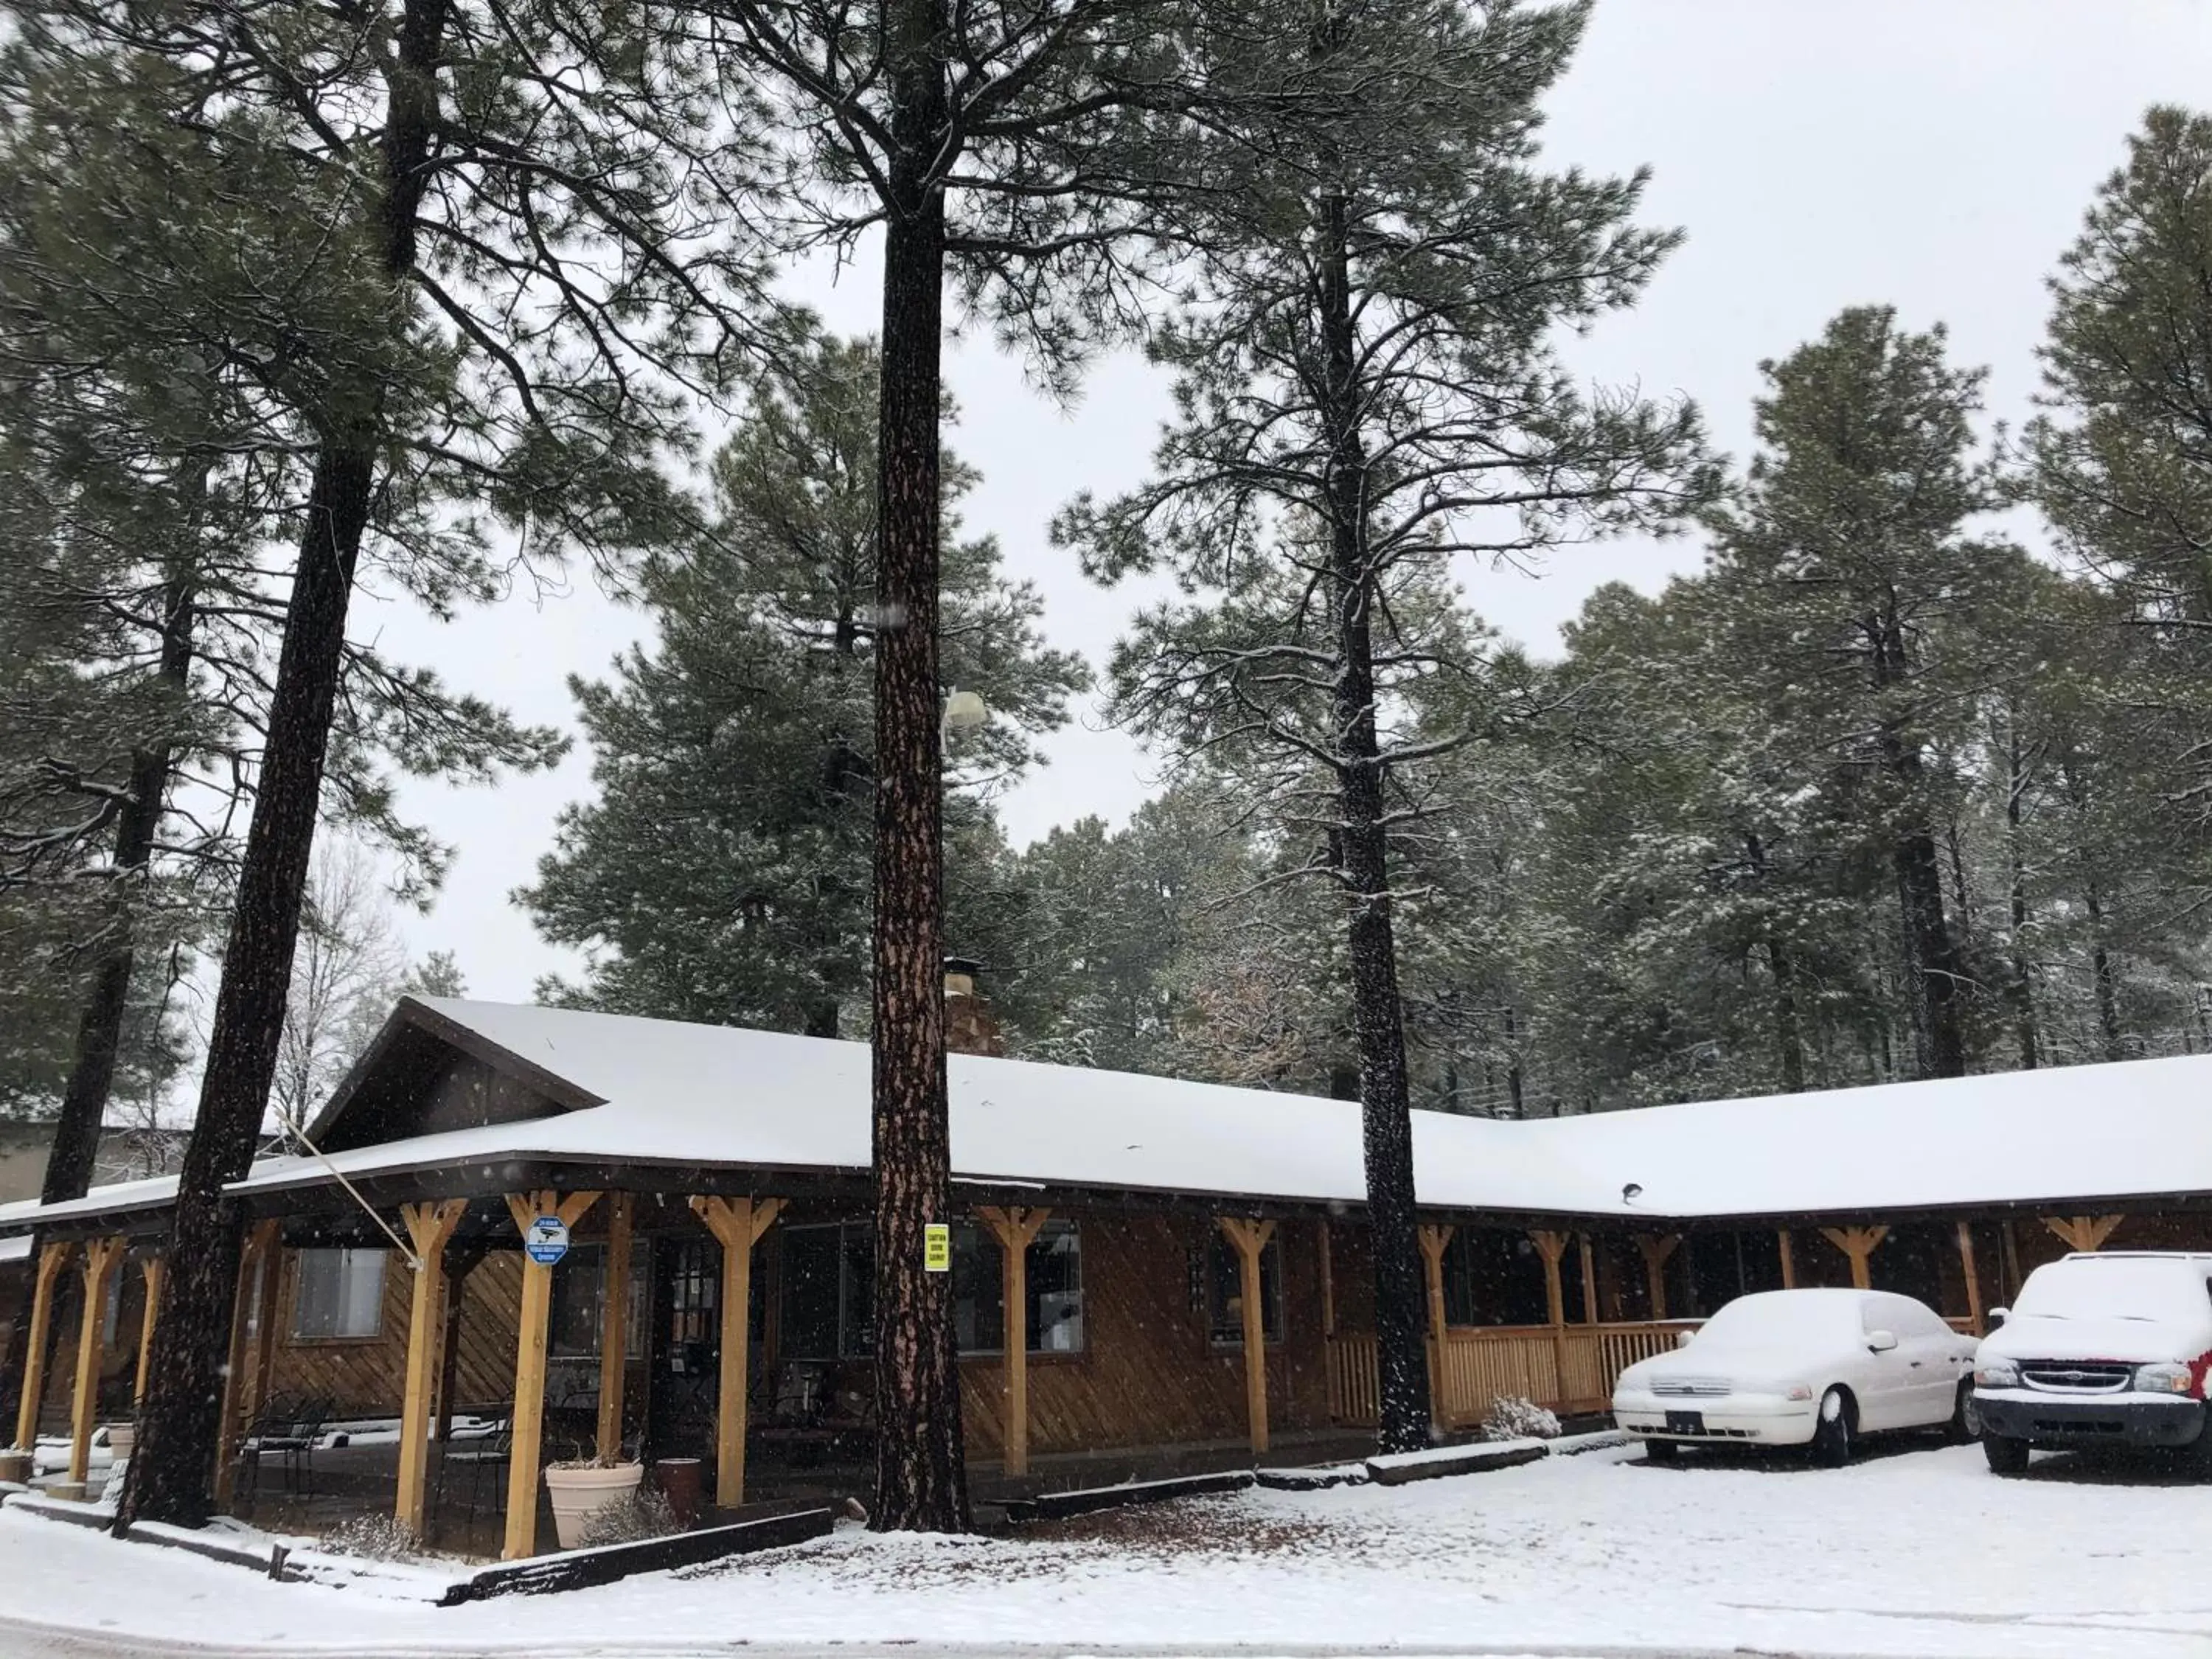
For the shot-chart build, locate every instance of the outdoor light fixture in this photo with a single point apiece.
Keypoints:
(965, 711)
(1631, 1192)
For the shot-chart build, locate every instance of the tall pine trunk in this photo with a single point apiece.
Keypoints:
(179, 1427)
(69, 1165)
(2023, 980)
(920, 1458)
(1932, 957)
(1931, 954)
(1385, 1102)
(2103, 977)
(1788, 1041)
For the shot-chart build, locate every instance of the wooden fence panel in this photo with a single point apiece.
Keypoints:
(1481, 1365)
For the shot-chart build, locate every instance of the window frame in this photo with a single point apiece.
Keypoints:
(1275, 1334)
(1058, 1227)
(849, 1346)
(340, 1337)
(635, 1295)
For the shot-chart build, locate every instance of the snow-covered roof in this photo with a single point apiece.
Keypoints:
(116, 1198)
(690, 1095)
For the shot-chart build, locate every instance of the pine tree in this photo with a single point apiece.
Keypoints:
(494, 195)
(1024, 154)
(1854, 583)
(723, 873)
(1365, 390)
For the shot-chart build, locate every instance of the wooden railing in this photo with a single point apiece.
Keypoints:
(1567, 1368)
(1355, 1380)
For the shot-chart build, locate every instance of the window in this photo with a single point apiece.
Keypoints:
(1053, 1277)
(1055, 1286)
(829, 1288)
(1492, 1277)
(340, 1295)
(580, 1289)
(829, 1292)
(1226, 1298)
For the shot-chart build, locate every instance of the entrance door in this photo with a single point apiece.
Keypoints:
(687, 1330)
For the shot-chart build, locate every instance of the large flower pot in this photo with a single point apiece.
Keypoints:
(579, 1493)
(121, 1437)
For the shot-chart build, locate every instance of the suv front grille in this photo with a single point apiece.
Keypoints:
(2075, 1375)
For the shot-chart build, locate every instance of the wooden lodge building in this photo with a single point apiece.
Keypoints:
(1139, 1264)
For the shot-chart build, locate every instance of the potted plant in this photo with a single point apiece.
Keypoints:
(581, 1487)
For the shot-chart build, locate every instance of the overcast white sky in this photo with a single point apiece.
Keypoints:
(1936, 154)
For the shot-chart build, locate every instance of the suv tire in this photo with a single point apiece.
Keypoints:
(2004, 1455)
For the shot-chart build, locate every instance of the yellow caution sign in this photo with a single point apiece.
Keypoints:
(936, 1247)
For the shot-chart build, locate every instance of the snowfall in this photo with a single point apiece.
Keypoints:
(1914, 1551)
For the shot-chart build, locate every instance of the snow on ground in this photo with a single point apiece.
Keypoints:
(1918, 1552)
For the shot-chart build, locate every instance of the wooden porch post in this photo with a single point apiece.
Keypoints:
(739, 1223)
(1590, 1281)
(1656, 1248)
(51, 1260)
(1974, 1282)
(1435, 1240)
(1552, 1247)
(152, 1269)
(529, 1422)
(265, 1316)
(2086, 1233)
(429, 1227)
(1247, 1239)
(1789, 1260)
(260, 1246)
(614, 1325)
(101, 1256)
(1327, 1283)
(1015, 1229)
(1858, 1243)
(461, 1261)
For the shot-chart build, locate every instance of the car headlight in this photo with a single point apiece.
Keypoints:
(2163, 1379)
(1996, 1373)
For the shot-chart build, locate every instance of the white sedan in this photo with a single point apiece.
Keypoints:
(1813, 1368)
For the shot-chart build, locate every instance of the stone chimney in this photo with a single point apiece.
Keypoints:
(969, 1026)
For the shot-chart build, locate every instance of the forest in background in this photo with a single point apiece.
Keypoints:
(1908, 779)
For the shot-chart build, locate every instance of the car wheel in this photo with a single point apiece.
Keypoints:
(1965, 1417)
(1660, 1451)
(2005, 1454)
(2197, 1455)
(1832, 1433)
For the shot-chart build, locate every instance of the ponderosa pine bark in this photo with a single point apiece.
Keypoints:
(180, 1429)
(1385, 1115)
(920, 1458)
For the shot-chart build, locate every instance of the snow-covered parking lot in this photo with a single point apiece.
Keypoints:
(1916, 1552)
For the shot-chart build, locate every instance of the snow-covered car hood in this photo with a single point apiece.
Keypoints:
(2138, 1341)
(1740, 1367)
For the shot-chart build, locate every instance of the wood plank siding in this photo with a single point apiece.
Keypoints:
(1148, 1375)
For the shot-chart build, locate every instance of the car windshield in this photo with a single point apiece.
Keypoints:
(1780, 1319)
(2114, 1289)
